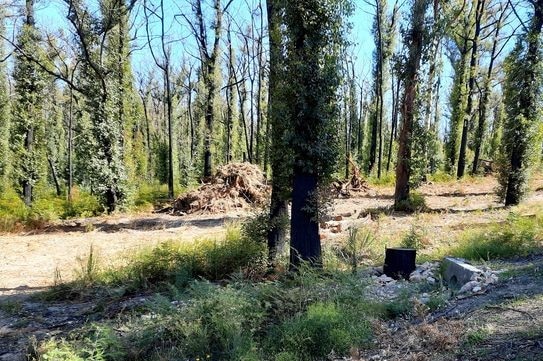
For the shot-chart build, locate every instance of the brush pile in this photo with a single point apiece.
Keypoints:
(235, 185)
(356, 183)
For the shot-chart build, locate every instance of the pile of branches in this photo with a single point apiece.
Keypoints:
(356, 183)
(235, 185)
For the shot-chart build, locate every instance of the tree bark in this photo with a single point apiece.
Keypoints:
(416, 43)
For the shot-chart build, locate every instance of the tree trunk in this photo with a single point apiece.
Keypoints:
(479, 135)
(415, 46)
(279, 156)
(471, 86)
(304, 228)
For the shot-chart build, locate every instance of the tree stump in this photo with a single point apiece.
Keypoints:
(399, 262)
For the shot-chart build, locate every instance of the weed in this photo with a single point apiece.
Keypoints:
(415, 203)
(11, 307)
(414, 238)
(324, 329)
(518, 236)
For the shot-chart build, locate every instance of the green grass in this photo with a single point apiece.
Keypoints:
(171, 263)
(300, 317)
(47, 207)
(517, 236)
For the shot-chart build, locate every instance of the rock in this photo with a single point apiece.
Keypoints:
(385, 279)
(12, 357)
(468, 287)
(346, 214)
(457, 272)
(338, 218)
(431, 280)
(476, 289)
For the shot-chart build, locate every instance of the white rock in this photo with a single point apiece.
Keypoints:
(431, 280)
(476, 289)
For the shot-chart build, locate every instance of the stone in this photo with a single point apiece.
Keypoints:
(468, 287)
(338, 218)
(457, 272)
(476, 289)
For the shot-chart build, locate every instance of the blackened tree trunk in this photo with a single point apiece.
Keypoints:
(415, 45)
(305, 240)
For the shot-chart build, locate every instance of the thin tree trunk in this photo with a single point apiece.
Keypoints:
(416, 44)
(471, 86)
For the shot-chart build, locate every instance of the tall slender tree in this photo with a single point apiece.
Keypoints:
(277, 115)
(28, 123)
(4, 110)
(522, 98)
(415, 43)
(315, 40)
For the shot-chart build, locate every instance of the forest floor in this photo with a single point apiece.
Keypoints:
(511, 312)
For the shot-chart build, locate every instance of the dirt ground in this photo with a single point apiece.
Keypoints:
(35, 260)
(502, 324)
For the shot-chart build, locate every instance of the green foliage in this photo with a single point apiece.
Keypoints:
(387, 179)
(27, 124)
(324, 329)
(413, 239)
(415, 203)
(357, 247)
(313, 135)
(97, 343)
(171, 262)
(521, 140)
(15, 215)
(518, 236)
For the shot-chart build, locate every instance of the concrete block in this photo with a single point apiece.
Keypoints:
(456, 272)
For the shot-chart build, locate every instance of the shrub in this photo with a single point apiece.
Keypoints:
(518, 236)
(415, 203)
(323, 330)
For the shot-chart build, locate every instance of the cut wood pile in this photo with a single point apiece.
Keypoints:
(235, 185)
(356, 183)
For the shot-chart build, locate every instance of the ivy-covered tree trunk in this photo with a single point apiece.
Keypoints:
(4, 111)
(279, 154)
(27, 126)
(522, 93)
(468, 114)
(415, 43)
(315, 38)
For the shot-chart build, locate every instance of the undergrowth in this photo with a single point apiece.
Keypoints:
(516, 236)
(171, 263)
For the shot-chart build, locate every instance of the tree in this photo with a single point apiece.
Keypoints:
(486, 88)
(99, 83)
(209, 58)
(281, 164)
(4, 111)
(522, 99)
(415, 42)
(315, 34)
(28, 124)
(469, 114)
(164, 65)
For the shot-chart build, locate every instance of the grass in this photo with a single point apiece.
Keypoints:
(301, 317)
(171, 263)
(517, 236)
(16, 216)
